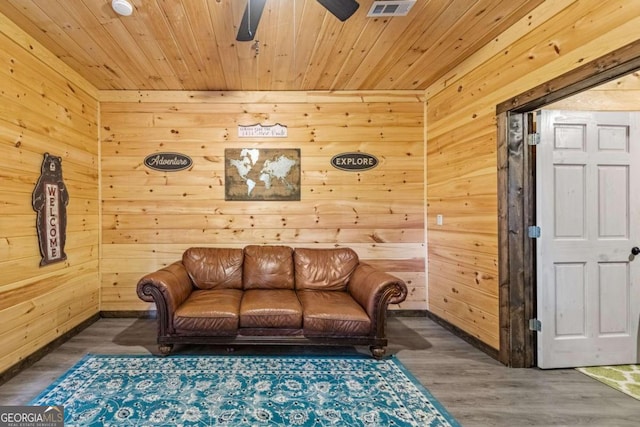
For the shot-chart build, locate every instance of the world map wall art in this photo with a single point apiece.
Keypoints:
(262, 174)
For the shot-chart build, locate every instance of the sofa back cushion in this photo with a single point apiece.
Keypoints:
(324, 269)
(214, 268)
(268, 267)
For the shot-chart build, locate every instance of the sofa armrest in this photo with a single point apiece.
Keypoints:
(168, 288)
(374, 290)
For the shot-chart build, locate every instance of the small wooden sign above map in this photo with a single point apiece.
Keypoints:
(260, 131)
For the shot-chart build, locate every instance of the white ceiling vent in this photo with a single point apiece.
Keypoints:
(390, 8)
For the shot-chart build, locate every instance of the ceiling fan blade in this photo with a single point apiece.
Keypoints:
(250, 19)
(342, 9)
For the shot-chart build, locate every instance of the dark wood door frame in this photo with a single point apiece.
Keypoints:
(516, 197)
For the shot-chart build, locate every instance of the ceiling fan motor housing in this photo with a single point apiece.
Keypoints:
(342, 9)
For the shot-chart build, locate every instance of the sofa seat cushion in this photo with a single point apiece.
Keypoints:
(332, 313)
(270, 308)
(209, 312)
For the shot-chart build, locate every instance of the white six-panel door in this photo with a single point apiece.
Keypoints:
(587, 195)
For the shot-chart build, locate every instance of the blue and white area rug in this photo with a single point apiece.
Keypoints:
(243, 391)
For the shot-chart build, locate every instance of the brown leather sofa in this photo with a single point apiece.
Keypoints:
(271, 295)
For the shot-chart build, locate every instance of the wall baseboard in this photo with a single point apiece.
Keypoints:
(147, 314)
(406, 313)
(28, 361)
(494, 353)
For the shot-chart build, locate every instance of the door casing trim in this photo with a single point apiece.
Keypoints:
(516, 198)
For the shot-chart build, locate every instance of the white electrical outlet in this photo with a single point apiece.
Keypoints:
(439, 219)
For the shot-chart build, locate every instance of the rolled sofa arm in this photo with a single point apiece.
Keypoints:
(374, 290)
(168, 288)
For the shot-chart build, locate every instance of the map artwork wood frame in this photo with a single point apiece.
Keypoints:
(261, 174)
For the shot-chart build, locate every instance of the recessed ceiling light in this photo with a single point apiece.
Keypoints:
(122, 7)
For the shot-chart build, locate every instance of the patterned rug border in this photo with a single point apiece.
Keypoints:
(598, 373)
(392, 358)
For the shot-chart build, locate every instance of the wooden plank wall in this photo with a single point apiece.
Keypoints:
(461, 145)
(619, 95)
(44, 107)
(149, 218)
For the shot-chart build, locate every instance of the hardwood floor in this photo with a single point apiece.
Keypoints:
(475, 389)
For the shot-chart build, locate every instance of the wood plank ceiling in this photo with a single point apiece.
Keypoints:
(190, 44)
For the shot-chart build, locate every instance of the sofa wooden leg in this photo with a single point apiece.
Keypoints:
(165, 349)
(377, 352)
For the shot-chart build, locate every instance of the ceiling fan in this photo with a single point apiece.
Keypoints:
(342, 9)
